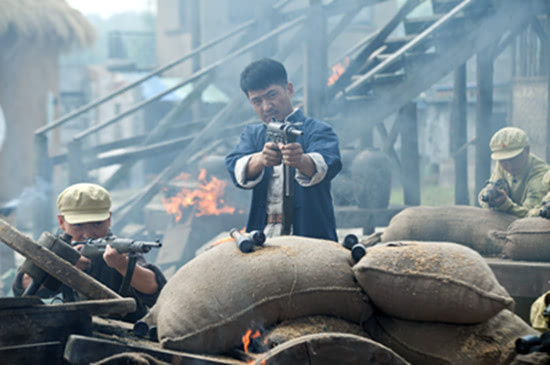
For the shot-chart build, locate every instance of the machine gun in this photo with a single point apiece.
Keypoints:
(285, 133)
(492, 193)
(96, 247)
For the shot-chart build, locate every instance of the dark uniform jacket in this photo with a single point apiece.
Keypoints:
(313, 214)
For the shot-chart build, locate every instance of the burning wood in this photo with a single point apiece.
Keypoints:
(337, 70)
(207, 199)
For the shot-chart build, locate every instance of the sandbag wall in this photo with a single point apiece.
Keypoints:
(438, 303)
(425, 302)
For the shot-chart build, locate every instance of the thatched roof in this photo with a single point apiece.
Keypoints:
(44, 21)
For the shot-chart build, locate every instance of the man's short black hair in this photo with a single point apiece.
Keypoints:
(261, 74)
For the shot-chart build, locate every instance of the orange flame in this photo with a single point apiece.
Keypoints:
(206, 198)
(246, 340)
(228, 239)
(337, 71)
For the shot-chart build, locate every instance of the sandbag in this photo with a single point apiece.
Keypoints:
(466, 225)
(209, 304)
(431, 281)
(425, 343)
(294, 328)
(525, 239)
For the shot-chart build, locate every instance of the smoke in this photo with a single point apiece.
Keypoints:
(38, 192)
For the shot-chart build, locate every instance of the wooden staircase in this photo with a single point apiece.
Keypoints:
(402, 67)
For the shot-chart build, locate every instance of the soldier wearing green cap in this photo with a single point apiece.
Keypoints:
(520, 170)
(84, 212)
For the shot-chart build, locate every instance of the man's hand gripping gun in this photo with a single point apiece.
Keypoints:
(492, 192)
(285, 133)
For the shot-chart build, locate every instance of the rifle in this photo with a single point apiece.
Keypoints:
(96, 246)
(491, 193)
(285, 133)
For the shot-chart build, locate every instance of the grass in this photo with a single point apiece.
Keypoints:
(430, 195)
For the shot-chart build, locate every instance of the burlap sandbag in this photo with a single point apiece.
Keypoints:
(525, 239)
(209, 304)
(294, 328)
(461, 224)
(424, 343)
(431, 281)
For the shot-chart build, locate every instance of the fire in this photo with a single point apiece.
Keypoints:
(228, 239)
(337, 70)
(248, 336)
(206, 198)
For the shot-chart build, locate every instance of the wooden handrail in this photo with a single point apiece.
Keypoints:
(159, 70)
(191, 78)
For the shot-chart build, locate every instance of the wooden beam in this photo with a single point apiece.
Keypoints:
(162, 127)
(387, 145)
(484, 112)
(459, 136)
(316, 61)
(521, 278)
(57, 267)
(410, 160)
(83, 350)
(546, 48)
(358, 62)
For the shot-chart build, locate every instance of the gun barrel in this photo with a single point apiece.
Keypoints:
(258, 237)
(243, 243)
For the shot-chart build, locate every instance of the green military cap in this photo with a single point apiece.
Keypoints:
(508, 142)
(83, 203)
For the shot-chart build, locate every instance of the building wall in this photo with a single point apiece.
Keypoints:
(27, 75)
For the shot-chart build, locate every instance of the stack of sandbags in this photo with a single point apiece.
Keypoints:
(211, 302)
(466, 225)
(438, 303)
(525, 239)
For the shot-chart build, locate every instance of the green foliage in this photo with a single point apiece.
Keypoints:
(430, 195)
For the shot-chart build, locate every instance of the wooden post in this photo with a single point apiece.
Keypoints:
(484, 111)
(409, 154)
(546, 47)
(196, 35)
(459, 136)
(264, 20)
(77, 173)
(316, 64)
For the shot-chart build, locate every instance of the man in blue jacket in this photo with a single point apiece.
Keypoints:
(256, 162)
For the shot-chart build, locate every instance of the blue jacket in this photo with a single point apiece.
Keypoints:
(313, 211)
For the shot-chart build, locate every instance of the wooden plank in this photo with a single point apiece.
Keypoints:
(103, 307)
(42, 323)
(48, 261)
(50, 353)
(521, 278)
(82, 350)
(329, 349)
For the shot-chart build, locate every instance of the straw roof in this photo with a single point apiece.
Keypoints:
(45, 21)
